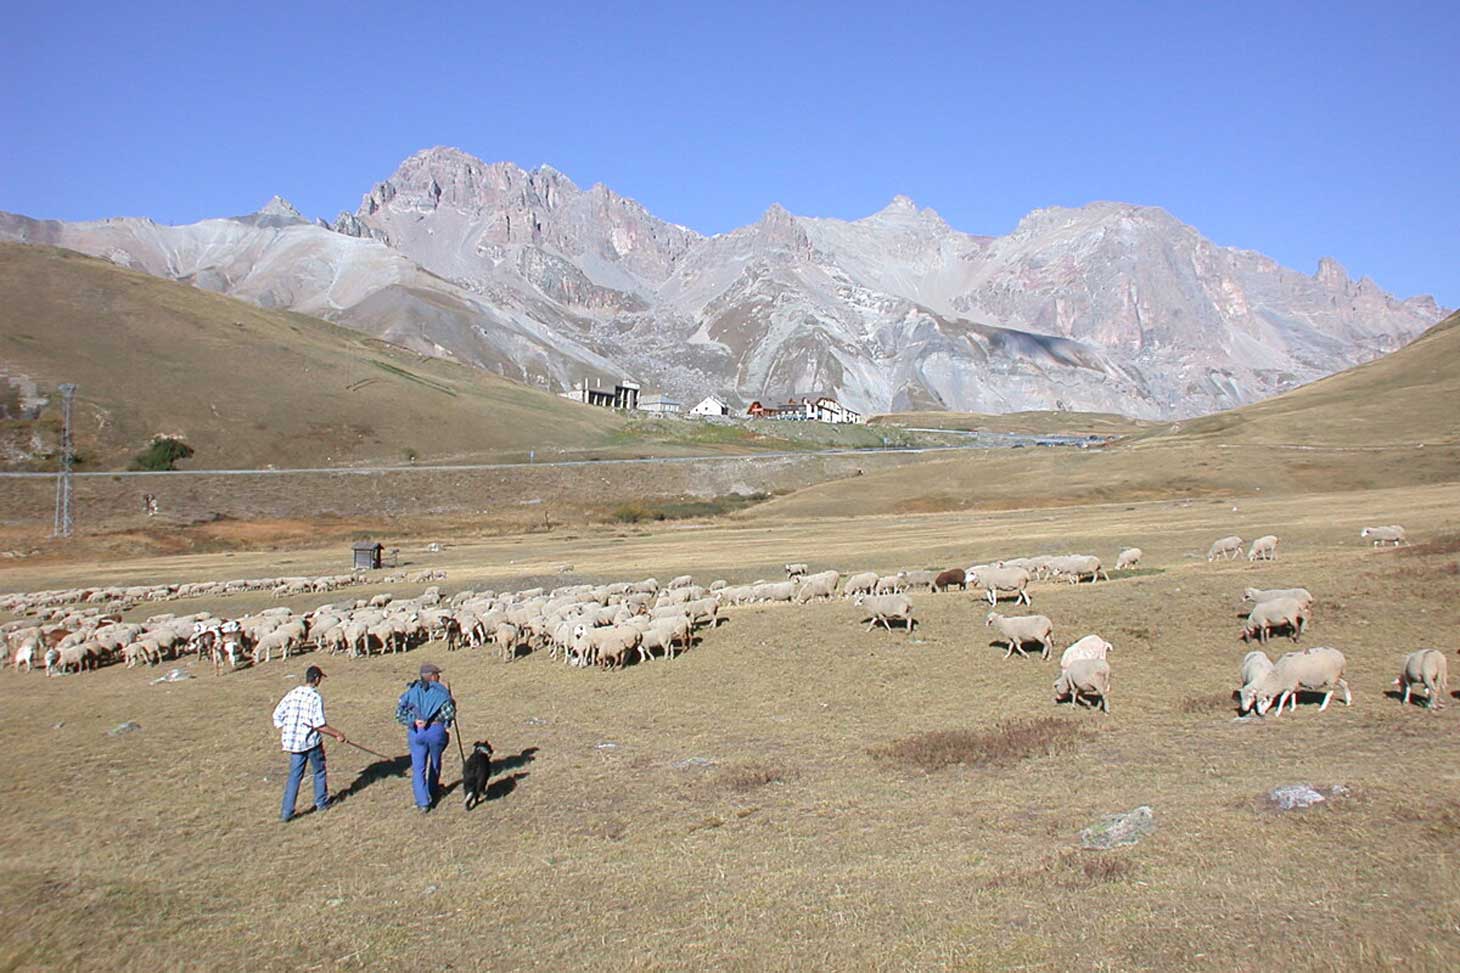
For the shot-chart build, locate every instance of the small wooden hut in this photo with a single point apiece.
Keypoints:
(368, 555)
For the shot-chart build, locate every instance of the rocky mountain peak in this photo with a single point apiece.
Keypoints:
(1331, 273)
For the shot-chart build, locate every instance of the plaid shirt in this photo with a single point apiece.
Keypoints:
(300, 714)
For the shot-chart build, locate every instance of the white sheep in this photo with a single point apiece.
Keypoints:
(1258, 595)
(1256, 667)
(1427, 668)
(916, 579)
(1226, 547)
(1085, 677)
(815, 588)
(683, 581)
(1086, 647)
(1018, 629)
(1393, 534)
(1277, 613)
(794, 571)
(1264, 548)
(995, 579)
(1128, 558)
(1318, 670)
(860, 584)
(887, 609)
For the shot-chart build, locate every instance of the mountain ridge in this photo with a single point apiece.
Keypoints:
(1107, 307)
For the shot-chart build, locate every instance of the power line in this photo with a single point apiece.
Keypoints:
(65, 521)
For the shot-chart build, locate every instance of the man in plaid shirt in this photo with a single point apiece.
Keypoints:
(300, 718)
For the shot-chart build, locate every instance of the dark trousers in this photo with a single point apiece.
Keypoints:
(426, 748)
(315, 757)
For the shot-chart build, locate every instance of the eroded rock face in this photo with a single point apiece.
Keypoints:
(1108, 307)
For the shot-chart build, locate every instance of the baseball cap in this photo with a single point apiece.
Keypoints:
(313, 673)
(430, 669)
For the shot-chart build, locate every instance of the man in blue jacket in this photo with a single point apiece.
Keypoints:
(426, 709)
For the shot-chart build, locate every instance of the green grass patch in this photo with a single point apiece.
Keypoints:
(413, 377)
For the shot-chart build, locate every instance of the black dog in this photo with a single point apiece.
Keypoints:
(475, 771)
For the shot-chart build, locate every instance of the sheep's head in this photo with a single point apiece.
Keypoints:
(989, 622)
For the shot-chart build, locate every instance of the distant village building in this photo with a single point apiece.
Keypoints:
(805, 408)
(661, 404)
(624, 395)
(710, 406)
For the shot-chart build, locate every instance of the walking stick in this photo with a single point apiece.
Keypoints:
(459, 748)
(352, 743)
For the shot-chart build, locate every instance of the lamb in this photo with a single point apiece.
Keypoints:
(1258, 595)
(1256, 667)
(1277, 613)
(1264, 548)
(860, 584)
(1128, 558)
(1226, 547)
(1085, 677)
(1088, 647)
(952, 578)
(887, 609)
(1317, 670)
(1014, 580)
(1393, 534)
(794, 571)
(1427, 668)
(1019, 629)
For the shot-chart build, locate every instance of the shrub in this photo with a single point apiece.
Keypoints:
(161, 455)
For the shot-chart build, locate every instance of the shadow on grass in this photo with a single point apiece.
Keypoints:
(522, 759)
(379, 770)
(502, 786)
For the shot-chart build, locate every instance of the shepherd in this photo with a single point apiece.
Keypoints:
(300, 720)
(426, 709)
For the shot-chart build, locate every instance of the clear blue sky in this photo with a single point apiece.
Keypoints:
(1299, 130)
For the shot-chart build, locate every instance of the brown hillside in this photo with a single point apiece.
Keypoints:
(250, 388)
(1360, 429)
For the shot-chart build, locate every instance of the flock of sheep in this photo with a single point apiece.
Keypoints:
(611, 625)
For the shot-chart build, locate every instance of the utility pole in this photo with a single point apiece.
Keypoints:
(64, 517)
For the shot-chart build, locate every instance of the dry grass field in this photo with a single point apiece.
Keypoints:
(765, 801)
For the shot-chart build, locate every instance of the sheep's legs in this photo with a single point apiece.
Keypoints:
(1326, 697)
(1348, 698)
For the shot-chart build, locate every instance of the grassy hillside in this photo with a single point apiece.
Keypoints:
(248, 387)
(1360, 429)
(1025, 423)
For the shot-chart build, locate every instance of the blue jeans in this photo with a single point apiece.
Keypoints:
(426, 748)
(296, 774)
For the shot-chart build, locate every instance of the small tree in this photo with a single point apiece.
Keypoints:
(162, 454)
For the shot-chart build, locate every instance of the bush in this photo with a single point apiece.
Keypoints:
(161, 455)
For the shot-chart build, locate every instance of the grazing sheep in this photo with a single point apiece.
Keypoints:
(1264, 548)
(1076, 566)
(683, 581)
(860, 584)
(1227, 547)
(1128, 558)
(794, 571)
(815, 588)
(1088, 647)
(1318, 670)
(952, 578)
(916, 579)
(1018, 629)
(1258, 595)
(506, 636)
(1427, 668)
(993, 579)
(1278, 613)
(774, 591)
(887, 609)
(889, 584)
(1256, 667)
(1085, 677)
(1393, 534)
